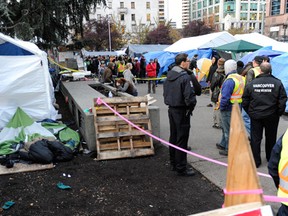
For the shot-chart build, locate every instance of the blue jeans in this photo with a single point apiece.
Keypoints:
(247, 121)
(225, 117)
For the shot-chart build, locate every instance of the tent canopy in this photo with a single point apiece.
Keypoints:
(263, 41)
(201, 42)
(25, 81)
(139, 49)
(239, 46)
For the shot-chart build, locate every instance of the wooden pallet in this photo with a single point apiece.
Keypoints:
(115, 138)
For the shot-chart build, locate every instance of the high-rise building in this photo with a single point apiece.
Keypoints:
(185, 12)
(226, 14)
(276, 20)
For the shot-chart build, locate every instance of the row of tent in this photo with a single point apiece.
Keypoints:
(25, 80)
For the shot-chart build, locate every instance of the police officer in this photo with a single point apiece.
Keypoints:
(180, 96)
(264, 100)
(278, 167)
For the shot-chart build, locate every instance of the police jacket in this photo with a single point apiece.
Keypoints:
(179, 90)
(264, 96)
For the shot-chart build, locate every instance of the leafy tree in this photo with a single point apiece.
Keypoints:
(235, 31)
(160, 35)
(96, 35)
(195, 28)
(47, 22)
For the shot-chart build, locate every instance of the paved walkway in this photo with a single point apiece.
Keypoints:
(203, 139)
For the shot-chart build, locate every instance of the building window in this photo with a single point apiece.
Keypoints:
(122, 17)
(217, 1)
(210, 2)
(253, 16)
(216, 9)
(132, 5)
(148, 17)
(244, 7)
(147, 5)
(275, 7)
(287, 6)
(133, 17)
(253, 6)
(204, 3)
(121, 4)
(243, 16)
(199, 6)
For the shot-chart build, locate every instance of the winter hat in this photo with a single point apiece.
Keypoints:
(136, 58)
(230, 65)
(258, 59)
(221, 61)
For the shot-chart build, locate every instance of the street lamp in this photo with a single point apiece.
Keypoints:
(109, 32)
(262, 20)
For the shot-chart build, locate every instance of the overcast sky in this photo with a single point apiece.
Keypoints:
(175, 11)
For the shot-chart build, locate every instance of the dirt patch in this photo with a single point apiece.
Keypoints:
(139, 186)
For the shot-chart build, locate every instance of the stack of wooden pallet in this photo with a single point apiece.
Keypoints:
(115, 138)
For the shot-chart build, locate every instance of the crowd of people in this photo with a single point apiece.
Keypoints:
(124, 72)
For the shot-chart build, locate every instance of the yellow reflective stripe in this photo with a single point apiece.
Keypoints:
(256, 71)
(238, 88)
(283, 169)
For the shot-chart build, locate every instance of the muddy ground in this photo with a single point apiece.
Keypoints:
(139, 186)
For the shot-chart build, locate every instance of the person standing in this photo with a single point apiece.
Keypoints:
(277, 168)
(216, 84)
(264, 100)
(142, 74)
(212, 70)
(157, 69)
(231, 92)
(128, 76)
(151, 74)
(193, 63)
(180, 97)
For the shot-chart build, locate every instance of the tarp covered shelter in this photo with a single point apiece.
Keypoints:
(86, 53)
(267, 51)
(239, 46)
(201, 42)
(25, 81)
(280, 70)
(136, 50)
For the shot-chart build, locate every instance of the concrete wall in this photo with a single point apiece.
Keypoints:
(80, 97)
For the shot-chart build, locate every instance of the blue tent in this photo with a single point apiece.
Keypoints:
(165, 58)
(280, 70)
(263, 51)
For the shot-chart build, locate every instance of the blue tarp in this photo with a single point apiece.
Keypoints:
(263, 51)
(9, 49)
(280, 70)
(165, 58)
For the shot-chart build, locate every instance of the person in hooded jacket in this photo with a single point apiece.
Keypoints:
(108, 73)
(180, 97)
(212, 70)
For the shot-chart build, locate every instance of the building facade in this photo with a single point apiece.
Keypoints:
(131, 14)
(226, 14)
(276, 20)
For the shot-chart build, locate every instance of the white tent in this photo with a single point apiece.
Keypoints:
(263, 40)
(25, 81)
(203, 41)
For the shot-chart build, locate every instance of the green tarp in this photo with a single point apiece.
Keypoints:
(239, 46)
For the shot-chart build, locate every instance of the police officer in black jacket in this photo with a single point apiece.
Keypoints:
(264, 100)
(179, 95)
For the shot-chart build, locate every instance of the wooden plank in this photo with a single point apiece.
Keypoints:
(241, 171)
(121, 134)
(20, 167)
(124, 145)
(233, 210)
(107, 155)
(122, 100)
(112, 119)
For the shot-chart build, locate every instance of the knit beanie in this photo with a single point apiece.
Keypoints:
(230, 65)
(221, 61)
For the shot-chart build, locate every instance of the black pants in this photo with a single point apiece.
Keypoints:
(179, 135)
(270, 124)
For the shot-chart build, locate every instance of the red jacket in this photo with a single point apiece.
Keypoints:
(151, 69)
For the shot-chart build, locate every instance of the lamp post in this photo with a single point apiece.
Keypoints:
(262, 20)
(109, 32)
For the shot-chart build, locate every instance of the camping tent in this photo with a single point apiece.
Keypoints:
(263, 41)
(24, 81)
(267, 51)
(280, 70)
(239, 46)
(201, 42)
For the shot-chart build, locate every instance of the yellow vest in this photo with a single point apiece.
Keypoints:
(121, 68)
(238, 88)
(283, 169)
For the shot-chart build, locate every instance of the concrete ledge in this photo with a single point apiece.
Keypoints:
(80, 97)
